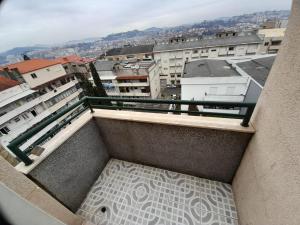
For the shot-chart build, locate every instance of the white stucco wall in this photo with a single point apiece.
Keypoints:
(44, 75)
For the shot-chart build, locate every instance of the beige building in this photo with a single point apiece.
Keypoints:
(272, 39)
(172, 56)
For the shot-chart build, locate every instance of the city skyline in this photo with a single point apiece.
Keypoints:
(23, 23)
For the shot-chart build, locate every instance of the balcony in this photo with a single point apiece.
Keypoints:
(136, 84)
(58, 90)
(10, 115)
(139, 167)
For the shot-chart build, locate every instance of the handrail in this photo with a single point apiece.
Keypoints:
(115, 105)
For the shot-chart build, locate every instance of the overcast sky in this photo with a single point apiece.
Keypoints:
(30, 22)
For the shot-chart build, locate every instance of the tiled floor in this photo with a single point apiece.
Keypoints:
(135, 194)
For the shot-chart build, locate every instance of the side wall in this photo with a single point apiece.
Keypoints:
(70, 171)
(208, 153)
(28, 190)
(267, 184)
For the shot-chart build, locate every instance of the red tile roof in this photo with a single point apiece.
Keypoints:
(6, 83)
(74, 59)
(31, 65)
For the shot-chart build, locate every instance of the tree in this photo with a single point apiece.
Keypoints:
(100, 91)
(26, 57)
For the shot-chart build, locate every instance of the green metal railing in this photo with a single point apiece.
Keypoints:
(118, 104)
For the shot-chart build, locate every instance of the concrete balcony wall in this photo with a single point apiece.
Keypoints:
(205, 147)
(267, 183)
(71, 170)
(186, 149)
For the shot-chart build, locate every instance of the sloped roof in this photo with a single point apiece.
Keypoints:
(213, 42)
(258, 69)
(6, 83)
(31, 65)
(130, 50)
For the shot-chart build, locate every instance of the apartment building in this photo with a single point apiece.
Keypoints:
(212, 80)
(237, 79)
(76, 65)
(129, 52)
(135, 79)
(171, 55)
(272, 39)
(47, 90)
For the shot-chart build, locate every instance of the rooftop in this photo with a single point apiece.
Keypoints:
(27, 66)
(73, 58)
(6, 83)
(246, 38)
(103, 65)
(130, 50)
(209, 68)
(258, 69)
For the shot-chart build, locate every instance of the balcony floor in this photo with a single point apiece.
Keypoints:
(136, 194)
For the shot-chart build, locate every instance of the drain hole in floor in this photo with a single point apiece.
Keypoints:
(103, 209)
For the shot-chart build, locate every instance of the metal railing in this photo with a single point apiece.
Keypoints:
(113, 103)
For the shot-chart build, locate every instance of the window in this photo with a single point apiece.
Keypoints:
(172, 75)
(231, 48)
(213, 50)
(276, 42)
(178, 75)
(17, 119)
(4, 130)
(195, 51)
(165, 68)
(33, 112)
(33, 75)
(266, 43)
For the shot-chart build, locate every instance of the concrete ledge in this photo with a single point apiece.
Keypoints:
(178, 120)
(55, 142)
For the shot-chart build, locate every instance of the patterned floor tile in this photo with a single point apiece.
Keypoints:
(128, 193)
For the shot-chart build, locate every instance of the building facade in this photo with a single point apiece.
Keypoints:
(171, 56)
(237, 79)
(47, 90)
(136, 79)
(272, 39)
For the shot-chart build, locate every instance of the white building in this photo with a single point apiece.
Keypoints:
(237, 79)
(172, 55)
(135, 79)
(48, 89)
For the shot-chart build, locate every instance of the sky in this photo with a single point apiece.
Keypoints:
(49, 22)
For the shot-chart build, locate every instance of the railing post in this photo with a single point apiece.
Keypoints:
(21, 155)
(89, 105)
(245, 122)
